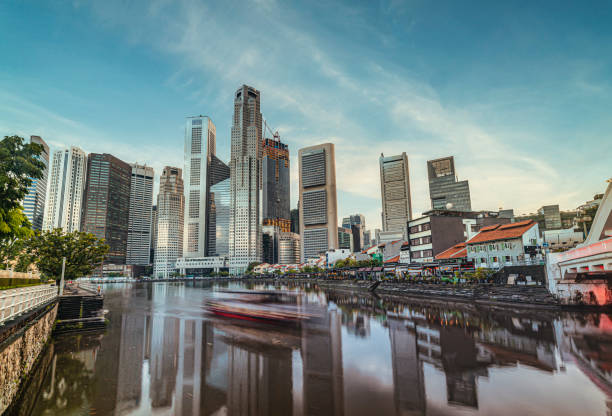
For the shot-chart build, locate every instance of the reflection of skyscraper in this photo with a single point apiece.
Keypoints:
(408, 379)
(131, 354)
(445, 191)
(164, 360)
(322, 366)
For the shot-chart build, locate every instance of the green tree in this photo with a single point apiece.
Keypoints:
(252, 265)
(83, 251)
(340, 264)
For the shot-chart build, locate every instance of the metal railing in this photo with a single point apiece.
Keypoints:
(14, 302)
(10, 274)
(90, 287)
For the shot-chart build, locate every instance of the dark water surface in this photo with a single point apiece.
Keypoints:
(164, 355)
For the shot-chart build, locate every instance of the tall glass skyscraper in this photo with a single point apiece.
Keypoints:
(106, 204)
(34, 201)
(170, 209)
(200, 143)
(65, 190)
(218, 209)
(445, 191)
(245, 167)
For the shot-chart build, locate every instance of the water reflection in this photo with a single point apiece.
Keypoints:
(162, 354)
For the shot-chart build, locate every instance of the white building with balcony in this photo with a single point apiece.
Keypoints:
(502, 245)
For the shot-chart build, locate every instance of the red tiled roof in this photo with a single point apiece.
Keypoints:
(502, 232)
(454, 252)
(393, 259)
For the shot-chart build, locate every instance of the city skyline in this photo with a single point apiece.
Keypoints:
(520, 117)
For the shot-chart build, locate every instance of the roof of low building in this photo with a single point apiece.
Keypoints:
(497, 232)
(455, 252)
(393, 259)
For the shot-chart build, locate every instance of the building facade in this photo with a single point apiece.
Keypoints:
(345, 237)
(106, 203)
(218, 215)
(153, 233)
(395, 192)
(67, 179)
(170, 211)
(295, 221)
(288, 248)
(245, 174)
(317, 200)
(445, 191)
(140, 218)
(200, 146)
(275, 181)
(34, 201)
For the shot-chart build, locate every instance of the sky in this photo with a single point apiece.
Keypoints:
(520, 93)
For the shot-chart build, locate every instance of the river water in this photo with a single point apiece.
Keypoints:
(162, 354)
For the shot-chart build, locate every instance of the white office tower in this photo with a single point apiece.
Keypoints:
(199, 148)
(395, 190)
(245, 166)
(34, 201)
(170, 209)
(139, 224)
(65, 190)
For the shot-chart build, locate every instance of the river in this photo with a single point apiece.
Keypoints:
(163, 354)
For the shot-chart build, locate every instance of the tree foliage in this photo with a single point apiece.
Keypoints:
(83, 251)
(19, 163)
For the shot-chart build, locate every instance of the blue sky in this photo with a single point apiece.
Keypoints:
(519, 92)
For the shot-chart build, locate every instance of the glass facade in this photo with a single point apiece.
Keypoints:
(34, 201)
(139, 228)
(219, 219)
(395, 190)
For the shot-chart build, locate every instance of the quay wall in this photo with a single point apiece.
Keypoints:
(21, 345)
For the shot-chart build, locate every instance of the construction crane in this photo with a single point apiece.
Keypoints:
(274, 134)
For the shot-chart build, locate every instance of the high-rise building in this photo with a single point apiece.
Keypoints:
(357, 237)
(318, 207)
(344, 238)
(347, 222)
(200, 143)
(106, 203)
(288, 248)
(34, 201)
(356, 226)
(367, 239)
(445, 191)
(170, 211)
(139, 225)
(295, 220)
(245, 168)
(395, 190)
(153, 233)
(269, 244)
(67, 180)
(275, 184)
(217, 227)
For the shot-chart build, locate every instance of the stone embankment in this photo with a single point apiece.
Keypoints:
(21, 342)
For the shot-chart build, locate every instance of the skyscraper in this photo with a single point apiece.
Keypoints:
(200, 143)
(106, 203)
(65, 190)
(34, 201)
(395, 190)
(318, 207)
(445, 191)
(217, 227)
(139, 225)
(153, 233)
(275, 184)
(245, 168)
(170, 210)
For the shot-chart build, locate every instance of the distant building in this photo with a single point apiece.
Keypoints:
(562, 239)
(65, 190)
(153, 233)
(395, 192)
(295, 221)
(501, 245)
(199, 148)
(170, 210)
(139, 225)
(445, 191)
(318, 207)
(245, 165)
(106, 203)
(357, 237)
(269, 242)
(367, 239)
(288, 248)
(354, 219)
(218, 213)
(34, 201)
(550, 217)
(344, 238)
